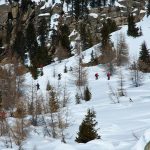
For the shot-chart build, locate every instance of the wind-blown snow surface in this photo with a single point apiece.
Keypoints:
(123, 125)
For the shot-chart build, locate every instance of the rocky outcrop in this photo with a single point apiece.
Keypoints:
(94, 19)
(117, 13)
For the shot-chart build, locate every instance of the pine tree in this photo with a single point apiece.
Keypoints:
(132, 29)
(31, 46)
(64, 38)
(53, 101)
(122, 53)
(144, 53)
(111, 24)
(42, 53)
(99, 3)
(24, 5)
(34, 72)
(87, 94)
(87, 131)
(77, 8)
(48, 86)
(148, 8)
(104, 2)
(83, 35)
(93, 3)
(31, 43)
(19, 45)
(92, 56)
(105, 34)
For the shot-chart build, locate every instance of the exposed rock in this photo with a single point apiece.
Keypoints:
(57, 8)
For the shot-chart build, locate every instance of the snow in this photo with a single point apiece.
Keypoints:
(2, 2)
(123, 126)
(119, 124)
(45, 14)
(54, 21)
(74, 32)
(134, 44)
(94, 15)
(119, 5)
(142, 11)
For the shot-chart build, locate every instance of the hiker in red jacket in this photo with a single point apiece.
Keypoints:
(96, 76)
(108, 75)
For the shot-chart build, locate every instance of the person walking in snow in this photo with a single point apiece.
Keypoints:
(96, 76)
(59, 76)
(108, 75)
(37, 86)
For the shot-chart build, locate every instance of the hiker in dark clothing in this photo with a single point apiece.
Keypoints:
(96, 76)
(59, 76)
(108, 75)
(37, 86)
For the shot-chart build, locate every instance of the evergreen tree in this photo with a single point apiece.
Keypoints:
(43, 32)
(148, 8)
(92, 56)
(48, 86)
(105, 34)
(53, 101)
(42, 53)
(87, 94)
(111, 24)
(31, 43)
(87, 131)
(19, 45)
(144, 53)
(31, 46)
(122, 53)
(108, 27)
(83, 35)
(93, 3)
(77, 8)
(64, 38)
(132, 29)
(104, 2)
(24, 5)
(34, 72)
(99, 3)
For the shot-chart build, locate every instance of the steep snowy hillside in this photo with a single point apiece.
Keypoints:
(123, 121)
(134, 44)
(123, 124)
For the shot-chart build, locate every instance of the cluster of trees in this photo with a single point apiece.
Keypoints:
(27, 42)
(18, 105)
(79, 7)
(14, 101)
(144, 58)
(148, 8)
(132, 29)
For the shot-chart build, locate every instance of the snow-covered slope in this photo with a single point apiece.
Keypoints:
(122, 125)
(135, 43)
